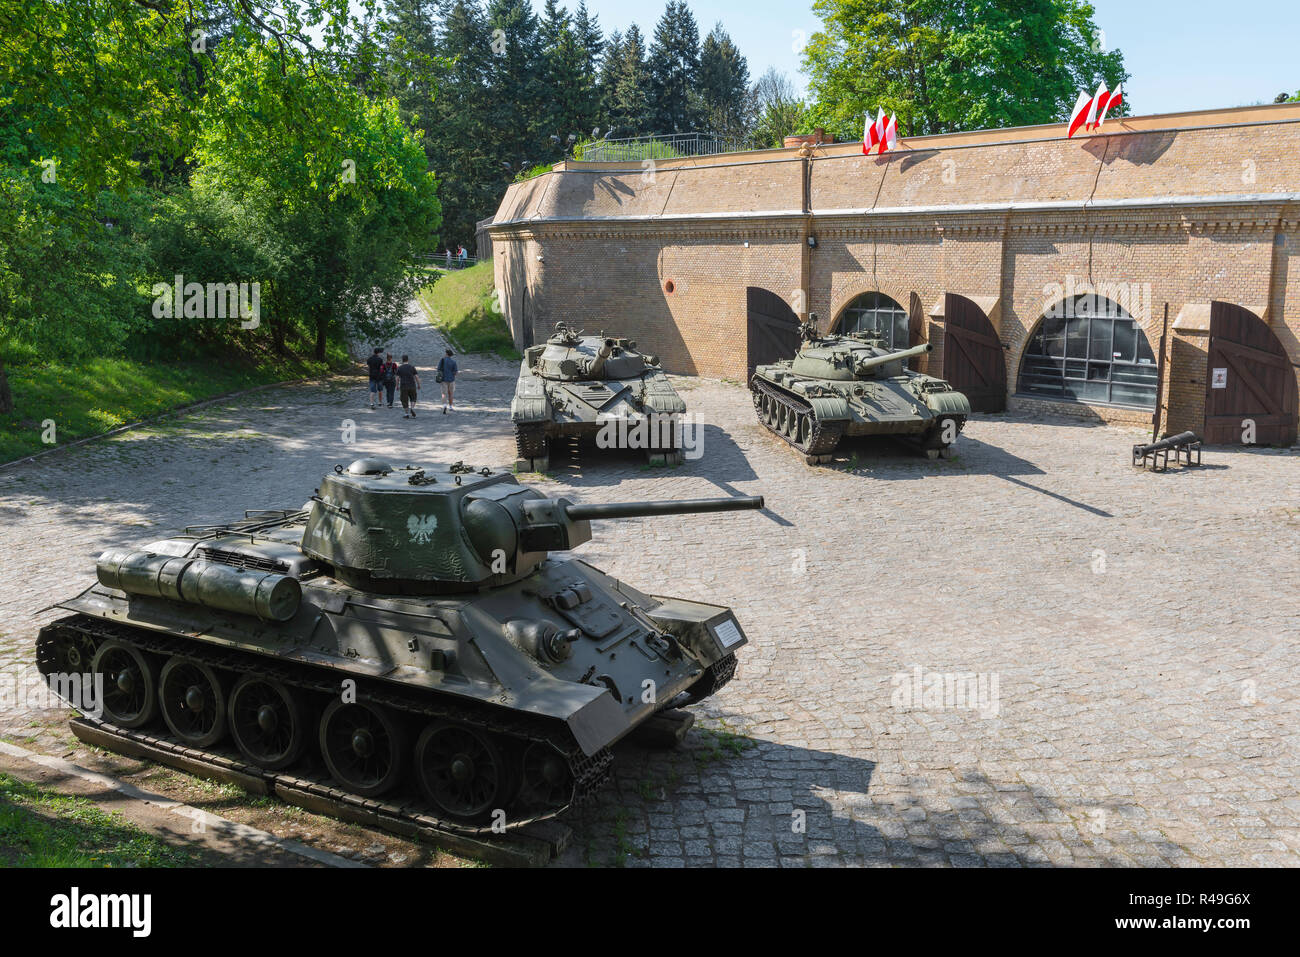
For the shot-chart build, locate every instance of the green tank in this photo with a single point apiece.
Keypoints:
(853, 385)
(410, 627)
(576, 386)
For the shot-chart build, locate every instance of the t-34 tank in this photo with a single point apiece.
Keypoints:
(407, 623)
(577, 385)
(853, 385)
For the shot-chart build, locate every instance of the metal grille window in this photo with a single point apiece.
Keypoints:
(1089, 349)
(877, 314)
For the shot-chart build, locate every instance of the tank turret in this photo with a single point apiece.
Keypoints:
(433, 531)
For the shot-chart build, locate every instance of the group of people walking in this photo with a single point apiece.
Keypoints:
(387, 377)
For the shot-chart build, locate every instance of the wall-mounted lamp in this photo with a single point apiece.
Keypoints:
(812, 242)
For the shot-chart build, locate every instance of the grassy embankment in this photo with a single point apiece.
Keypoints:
(460, 304)
(98, 395)
(42, 828)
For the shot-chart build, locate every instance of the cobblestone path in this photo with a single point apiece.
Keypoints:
(1130, 639)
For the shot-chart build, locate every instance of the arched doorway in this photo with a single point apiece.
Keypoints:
(874, 313)
(1250, 381)
(972, 355)
(772, 328)
(1089, 349)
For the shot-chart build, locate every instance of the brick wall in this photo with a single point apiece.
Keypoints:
(665, 254)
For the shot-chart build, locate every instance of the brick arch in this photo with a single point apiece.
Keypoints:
(904, 300)
(1016, 356)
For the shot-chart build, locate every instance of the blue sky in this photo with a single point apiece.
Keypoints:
(1182, 56)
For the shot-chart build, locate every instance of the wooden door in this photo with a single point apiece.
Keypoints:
(1249, 377)
(772, 331)
(972, 355)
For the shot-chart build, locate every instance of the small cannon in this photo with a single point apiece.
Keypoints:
(1155, 455)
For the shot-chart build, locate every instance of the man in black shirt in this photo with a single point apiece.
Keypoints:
(409, 381)
(375, 363)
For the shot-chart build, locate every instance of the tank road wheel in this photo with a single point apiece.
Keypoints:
(805, 427)
(193, 701)
(547, 779)
(130, 697)
(462, 771)
(268, 722)
(364, 747)
(68, 652)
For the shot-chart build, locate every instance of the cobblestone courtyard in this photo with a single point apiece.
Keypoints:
(1134, 635)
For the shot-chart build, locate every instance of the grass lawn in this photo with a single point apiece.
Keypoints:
(92, 397)
(460, 304)
(41, 828)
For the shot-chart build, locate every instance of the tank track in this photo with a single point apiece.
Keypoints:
(931, 440)
(714, 677)
(589, 773)
(530, 440)
(822, 437)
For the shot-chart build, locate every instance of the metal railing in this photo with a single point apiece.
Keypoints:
(442, 261)
(657, 146)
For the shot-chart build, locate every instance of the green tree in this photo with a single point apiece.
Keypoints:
(628, 104)
(723, 85)
(944, 67)
(348, 193)
(572, 104)
(778, 112)
(586, 27)
(674, 64)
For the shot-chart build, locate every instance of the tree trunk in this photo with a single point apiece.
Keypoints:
(6, 397)
(322, 331)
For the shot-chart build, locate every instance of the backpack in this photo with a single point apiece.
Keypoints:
(390, 374)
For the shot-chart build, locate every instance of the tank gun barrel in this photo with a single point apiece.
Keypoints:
(598, 363)
(688, 506)
(874, 361)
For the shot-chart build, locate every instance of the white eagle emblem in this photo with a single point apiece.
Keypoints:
(421, 528)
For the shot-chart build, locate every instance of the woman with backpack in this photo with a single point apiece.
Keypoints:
(389, 377)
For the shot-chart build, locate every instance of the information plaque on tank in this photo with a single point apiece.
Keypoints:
(728, 633)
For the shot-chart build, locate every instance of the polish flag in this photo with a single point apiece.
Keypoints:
(1102, 101)
(1114, 100)
(868, 134)
(1080, 114)
(890, 139)
(1098, 100)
